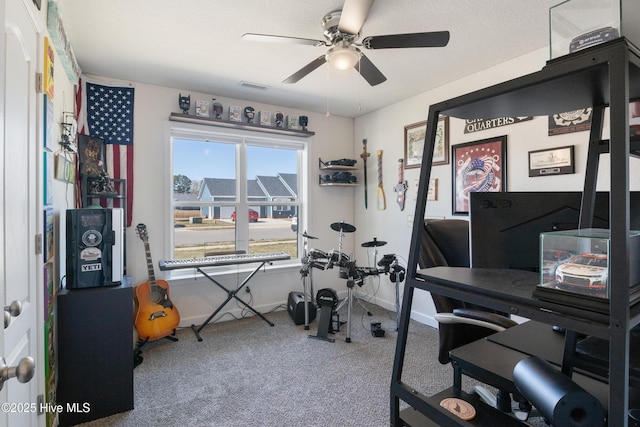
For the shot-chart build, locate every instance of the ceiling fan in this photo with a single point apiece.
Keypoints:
(341, 31)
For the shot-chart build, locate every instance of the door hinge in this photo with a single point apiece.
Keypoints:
(40, 400)
(38, 244)
(39, 82)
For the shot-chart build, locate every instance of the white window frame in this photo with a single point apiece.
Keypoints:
(241, 138)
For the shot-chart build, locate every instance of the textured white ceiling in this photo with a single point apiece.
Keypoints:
(196, 45)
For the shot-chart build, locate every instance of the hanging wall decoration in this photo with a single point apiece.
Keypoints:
(478, 166)
(570, 121)
(47, 72)
(62, 43)
(555, 161)
(414, 135)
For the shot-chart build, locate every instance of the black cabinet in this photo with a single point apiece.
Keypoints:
(604, 76)
(95, 353)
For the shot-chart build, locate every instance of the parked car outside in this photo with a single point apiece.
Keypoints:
(585, 274)
(294, 224)
(253, 216)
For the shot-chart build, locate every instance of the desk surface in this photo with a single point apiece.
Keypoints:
(509, 291)
(493, 363)
(533, 338)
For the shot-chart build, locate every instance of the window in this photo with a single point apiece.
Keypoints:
(234, 193)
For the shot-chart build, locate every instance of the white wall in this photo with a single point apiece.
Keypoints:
(198, 298)
(384, 129)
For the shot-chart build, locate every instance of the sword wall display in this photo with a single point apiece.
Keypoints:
(401, 186)
(382, 204)
(364, 157)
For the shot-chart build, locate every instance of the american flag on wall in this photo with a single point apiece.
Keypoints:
(107, 112)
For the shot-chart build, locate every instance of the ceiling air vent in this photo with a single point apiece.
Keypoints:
(254, 86)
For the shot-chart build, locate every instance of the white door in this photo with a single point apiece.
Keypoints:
(18, 193)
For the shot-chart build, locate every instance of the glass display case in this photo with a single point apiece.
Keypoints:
(577, 261)
(578, 24)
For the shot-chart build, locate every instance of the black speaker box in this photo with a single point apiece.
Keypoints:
(90, 240)
(295, 307)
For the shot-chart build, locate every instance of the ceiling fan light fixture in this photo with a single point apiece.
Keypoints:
(343, 57)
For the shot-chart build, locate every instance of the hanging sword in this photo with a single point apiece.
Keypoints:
(364, 156)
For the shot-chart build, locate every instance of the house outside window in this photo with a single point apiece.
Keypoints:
(234, 192)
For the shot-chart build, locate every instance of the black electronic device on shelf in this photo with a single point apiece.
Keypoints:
(94, 247)
(506, 227)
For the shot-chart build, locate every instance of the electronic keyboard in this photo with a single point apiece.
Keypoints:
(220, 260)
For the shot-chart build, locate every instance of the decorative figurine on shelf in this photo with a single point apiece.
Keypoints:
(303, 121)
(217, 109)
(184, 102)
(101, 185)
(279, 119)
(250, 114)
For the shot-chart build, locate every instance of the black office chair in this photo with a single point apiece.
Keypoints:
(445, 242)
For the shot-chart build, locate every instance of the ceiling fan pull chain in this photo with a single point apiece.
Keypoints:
(326, 92)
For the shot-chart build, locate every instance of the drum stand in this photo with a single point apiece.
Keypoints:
(355, 276)
(372, 244)
(358, 300)
(390, 265)
(397, 276)
(307, 282)
(350, 295)
(350, 284)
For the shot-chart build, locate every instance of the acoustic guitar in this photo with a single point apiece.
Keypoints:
(156, 316)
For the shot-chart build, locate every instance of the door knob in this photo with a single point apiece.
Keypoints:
(12, 310)
(23, 372)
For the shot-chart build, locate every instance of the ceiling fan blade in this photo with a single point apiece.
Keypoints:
(354, 13)
(281, 39)
(369, 71)
(431, 39)
(305, 70)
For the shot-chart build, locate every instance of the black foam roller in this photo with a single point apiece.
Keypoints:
(556, 396)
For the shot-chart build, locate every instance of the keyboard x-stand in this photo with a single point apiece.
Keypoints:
(216, 261)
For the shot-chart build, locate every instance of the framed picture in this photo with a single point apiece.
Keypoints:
(432, 191)
(47, 75)
(48, 243)
(48, 123)
(47, 185)
(202, 108)
(65, 169)
(414, 135)
(92, 152)
(556, 161)
(478, 166)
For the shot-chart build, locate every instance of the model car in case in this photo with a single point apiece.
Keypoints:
(551, 259)
(585, 273)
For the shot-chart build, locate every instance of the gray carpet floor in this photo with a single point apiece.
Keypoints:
(247, 373)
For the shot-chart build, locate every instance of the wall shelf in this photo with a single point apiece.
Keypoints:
(324, 183)
(209, 121)
(325, 166)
